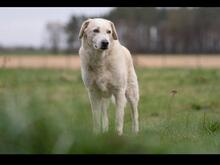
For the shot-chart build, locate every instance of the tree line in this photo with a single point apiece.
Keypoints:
(143, 30)
(151, 30)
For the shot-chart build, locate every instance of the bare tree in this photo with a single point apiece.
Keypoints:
(56, 33)
(72, 30)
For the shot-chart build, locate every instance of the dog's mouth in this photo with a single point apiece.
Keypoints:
(104, 47)
(101, 48)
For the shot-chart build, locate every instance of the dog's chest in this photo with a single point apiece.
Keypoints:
(100, 78)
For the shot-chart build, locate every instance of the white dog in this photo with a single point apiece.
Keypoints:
(107, 70)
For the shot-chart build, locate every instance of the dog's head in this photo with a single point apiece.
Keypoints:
(99, 33)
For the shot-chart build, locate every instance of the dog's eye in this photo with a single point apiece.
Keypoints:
(96, 30)
(108, 31)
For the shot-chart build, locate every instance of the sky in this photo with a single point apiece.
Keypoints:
(26, 26)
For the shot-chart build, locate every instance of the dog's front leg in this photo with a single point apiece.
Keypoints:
(95, 101)
(120, 105)
(105, 122)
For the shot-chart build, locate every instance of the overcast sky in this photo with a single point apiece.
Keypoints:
(26, 26)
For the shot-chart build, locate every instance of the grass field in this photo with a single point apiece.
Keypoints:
(48, 111)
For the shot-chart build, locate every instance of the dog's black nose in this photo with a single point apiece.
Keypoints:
(104, 44)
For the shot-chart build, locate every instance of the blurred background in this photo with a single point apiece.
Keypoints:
(156, 32)
(44, 107)
(143, 30)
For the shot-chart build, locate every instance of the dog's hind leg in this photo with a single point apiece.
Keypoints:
(120, 105)
(132, 95)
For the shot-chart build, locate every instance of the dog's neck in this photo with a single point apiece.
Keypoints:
(97, 57)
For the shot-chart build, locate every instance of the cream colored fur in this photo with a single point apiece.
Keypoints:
(107, 73)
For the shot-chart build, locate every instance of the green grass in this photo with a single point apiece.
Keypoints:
(48, 111)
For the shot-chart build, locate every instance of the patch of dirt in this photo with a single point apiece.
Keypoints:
(73, 62)
(178, 61)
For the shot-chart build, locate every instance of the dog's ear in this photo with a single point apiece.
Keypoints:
(83, 27)
(114, 33)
